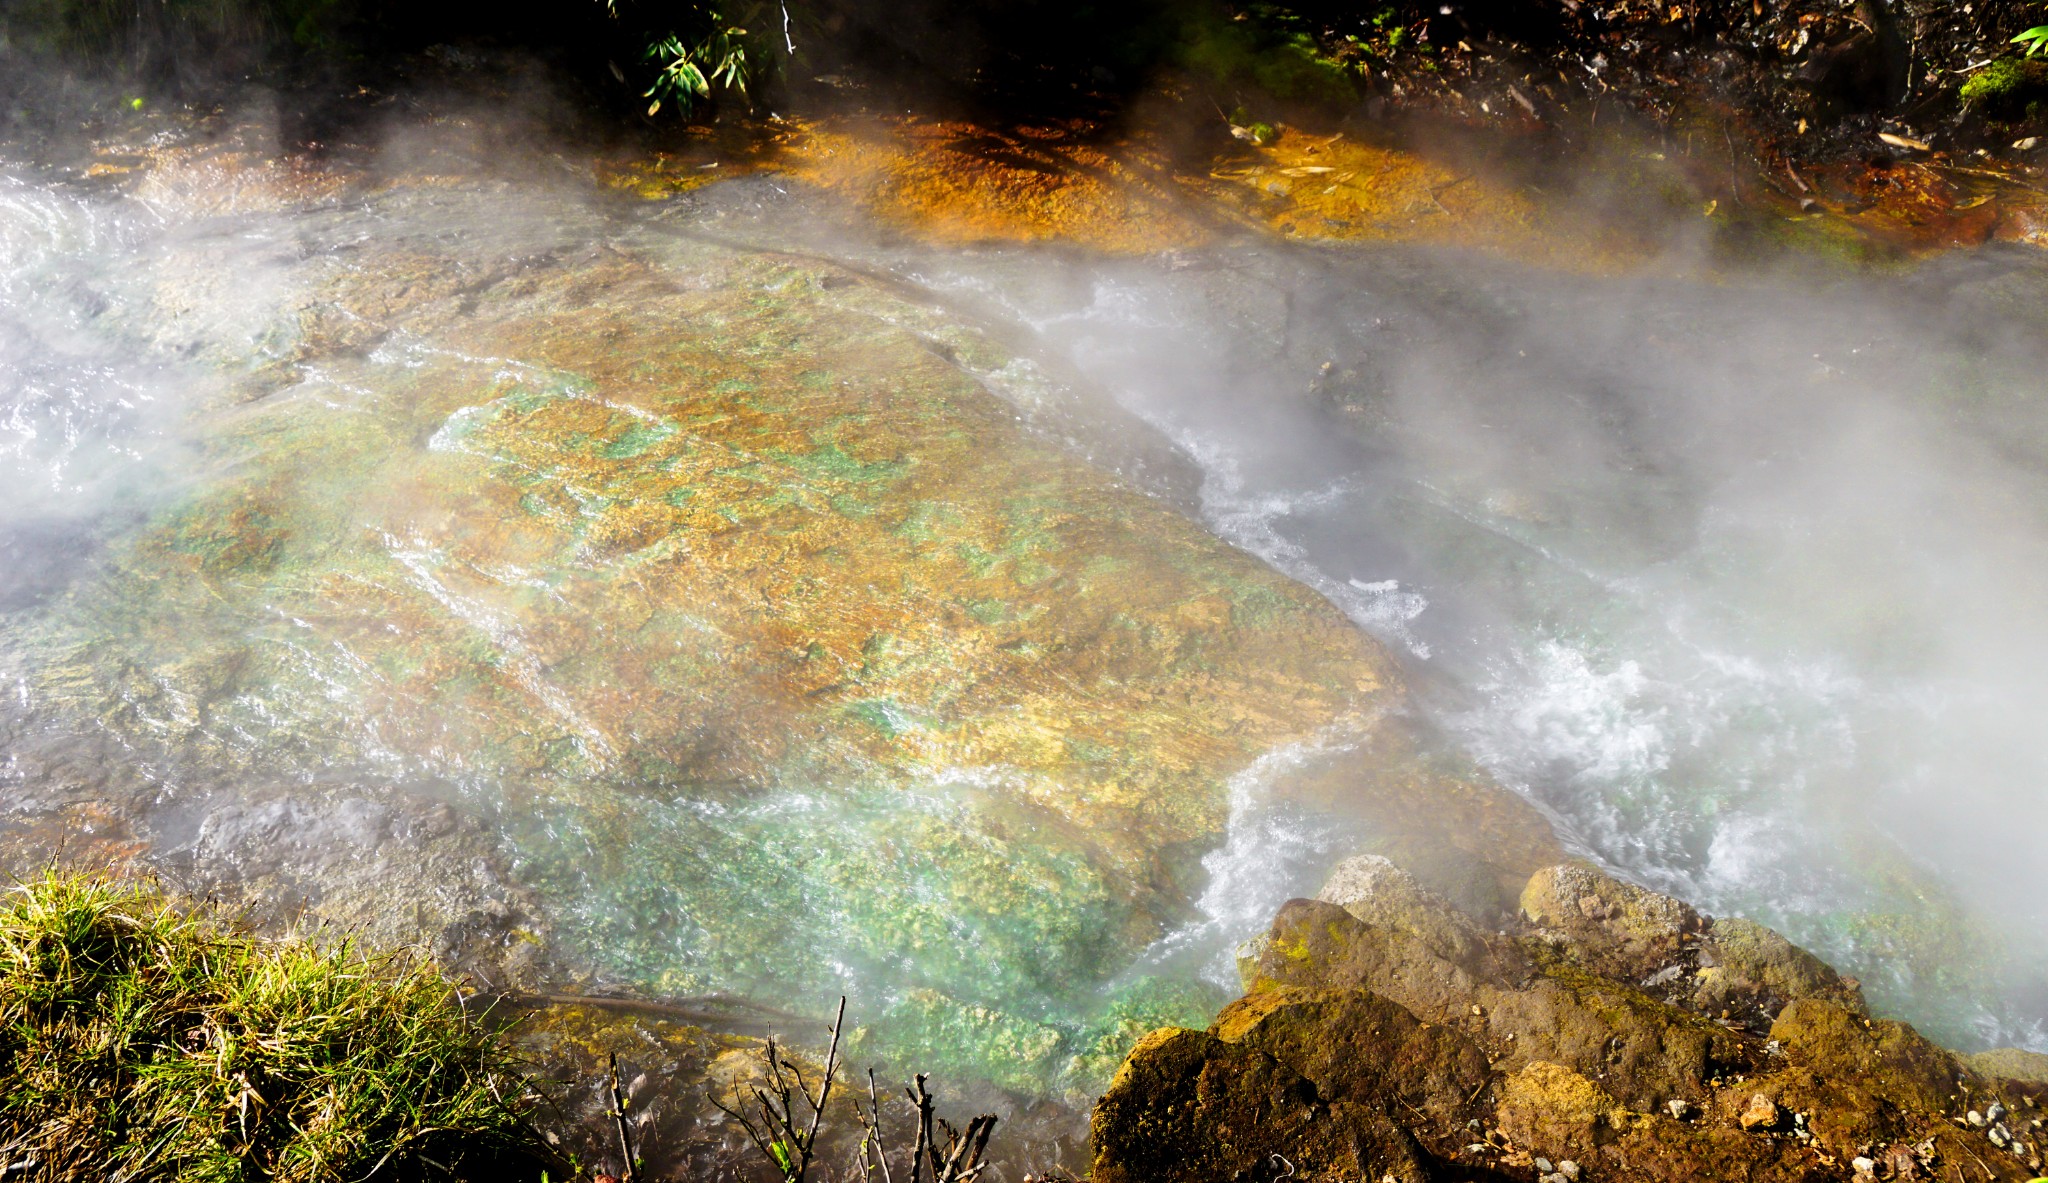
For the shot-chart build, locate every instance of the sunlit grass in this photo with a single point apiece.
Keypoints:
(140, 1041)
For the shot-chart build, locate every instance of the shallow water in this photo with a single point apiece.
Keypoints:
(362, 557)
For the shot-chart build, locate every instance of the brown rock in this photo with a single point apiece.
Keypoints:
(1356, 1046)
(1188, 1106)
(1558, 1113)
(1395, 1011)
(1316, 944)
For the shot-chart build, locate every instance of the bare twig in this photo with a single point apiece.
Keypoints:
(789, 1138)
(630, 1173)
(783, 1134)
(871, 1121)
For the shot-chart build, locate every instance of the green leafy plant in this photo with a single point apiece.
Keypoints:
(686, 71)
(696, 50)
(2035, 39)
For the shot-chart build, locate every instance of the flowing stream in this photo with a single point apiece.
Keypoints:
(711, 597)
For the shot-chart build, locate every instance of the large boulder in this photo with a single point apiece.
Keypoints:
(1610, 1028)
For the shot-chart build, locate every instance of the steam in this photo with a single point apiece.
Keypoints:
(1736, 575)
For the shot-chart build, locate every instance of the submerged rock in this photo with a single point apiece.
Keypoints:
(614, 607)
(1451, 1052)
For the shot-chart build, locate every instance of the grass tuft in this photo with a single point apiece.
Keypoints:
(142, 1042)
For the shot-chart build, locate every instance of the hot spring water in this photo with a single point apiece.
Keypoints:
(1735, 577)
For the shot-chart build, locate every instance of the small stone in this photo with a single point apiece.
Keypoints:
(2027, 145)
(1477, 1009)
(1680, 1108)
(1976, 1119)
(1998, 1136)
(1570, 1170)
(1543, 1166)
(1995, 1113)
(1761, 1114)
(1900, 1163)
(1551, 1179)
(1864, 1166)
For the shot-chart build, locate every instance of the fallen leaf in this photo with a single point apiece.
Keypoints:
(1903, 142)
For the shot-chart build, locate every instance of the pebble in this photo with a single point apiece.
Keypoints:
(1570, 1170)
(1679, 1107)
(1975, 1118)
(1543, 1166)
(1761, 1114)
(1864, 1166)
(1998, 1136)
(1995, 1113)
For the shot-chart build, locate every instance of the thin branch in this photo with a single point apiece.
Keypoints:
(632, 1175)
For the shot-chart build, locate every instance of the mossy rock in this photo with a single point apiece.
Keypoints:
(1893, 1059)
(2007, 90)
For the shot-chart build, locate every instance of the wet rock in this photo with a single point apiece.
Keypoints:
(671, 1069)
